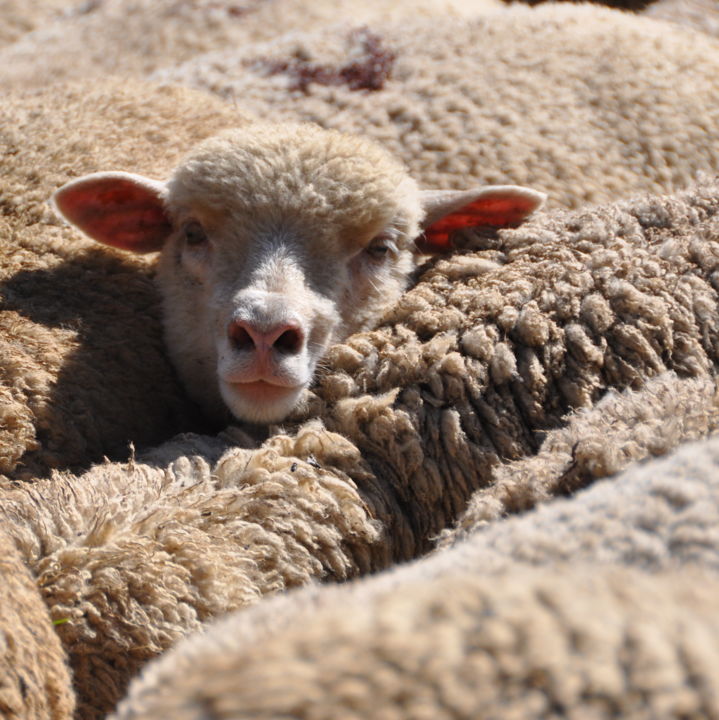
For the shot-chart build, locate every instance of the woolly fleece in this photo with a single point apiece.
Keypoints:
(489, 351)
(83, 370)
(616, 618)
(585, 103)
(20, 17)
(620, 429)
(136, 556)
(34, 679)
(702, 15)
(134, 37)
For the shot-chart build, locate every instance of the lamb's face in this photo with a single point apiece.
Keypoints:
(275, 242)
(283, 243)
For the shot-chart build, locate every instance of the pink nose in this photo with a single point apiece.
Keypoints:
(285, 338)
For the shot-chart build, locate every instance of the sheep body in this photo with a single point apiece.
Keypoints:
(164, 32)
(532, 96)
(34, 679)
(202, 527)
(586, 604)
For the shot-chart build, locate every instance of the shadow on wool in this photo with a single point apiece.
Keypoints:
(95, 342)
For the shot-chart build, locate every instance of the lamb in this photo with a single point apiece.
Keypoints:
(587, 103)
(34, 678)
(277, 241)
(468, 372)
(83, 370)
(599, 605)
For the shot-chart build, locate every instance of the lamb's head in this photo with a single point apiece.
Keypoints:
(276, 240)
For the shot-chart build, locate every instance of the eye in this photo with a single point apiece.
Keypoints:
(380, 247)
(194, 234)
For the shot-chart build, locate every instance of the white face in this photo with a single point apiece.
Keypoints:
(251, 307)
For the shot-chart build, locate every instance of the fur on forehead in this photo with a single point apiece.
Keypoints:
(321, 177)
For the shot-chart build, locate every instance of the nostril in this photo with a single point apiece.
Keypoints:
(289, 342)
(239, 337)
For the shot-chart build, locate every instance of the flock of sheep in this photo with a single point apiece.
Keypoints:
(514, 439)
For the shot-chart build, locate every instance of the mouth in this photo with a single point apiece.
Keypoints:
(261, 391)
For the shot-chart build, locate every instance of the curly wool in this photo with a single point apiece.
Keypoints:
(135, 556)
(585, 103)
(34, 679)
(83, 369)
(602, 604)
(620, 429)
(467, 372)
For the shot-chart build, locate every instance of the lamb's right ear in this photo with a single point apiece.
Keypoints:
(494, 206)
(115, 208)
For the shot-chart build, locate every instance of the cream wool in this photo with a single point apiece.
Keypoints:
(34, 679)
(200, 527)
(416, 416)
(20, 17)
(136, 556)
(620, 429)
(701, 15)
(135, 37)
(600, 605)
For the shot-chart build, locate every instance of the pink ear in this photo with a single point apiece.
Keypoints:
(499, 206)
(119, 209)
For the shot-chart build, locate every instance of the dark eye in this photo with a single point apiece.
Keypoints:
(380, 247)
(194, 234)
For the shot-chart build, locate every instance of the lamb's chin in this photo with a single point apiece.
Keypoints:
(260, 402)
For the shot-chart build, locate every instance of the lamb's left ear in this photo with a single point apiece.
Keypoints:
(120, 209)
(493, 205)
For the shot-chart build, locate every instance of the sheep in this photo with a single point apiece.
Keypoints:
(83, 370)
(587, 103)
(469, 371)
(133, 38)
(600, 605)
(34, 679)
(276, 242)
(133, 557)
